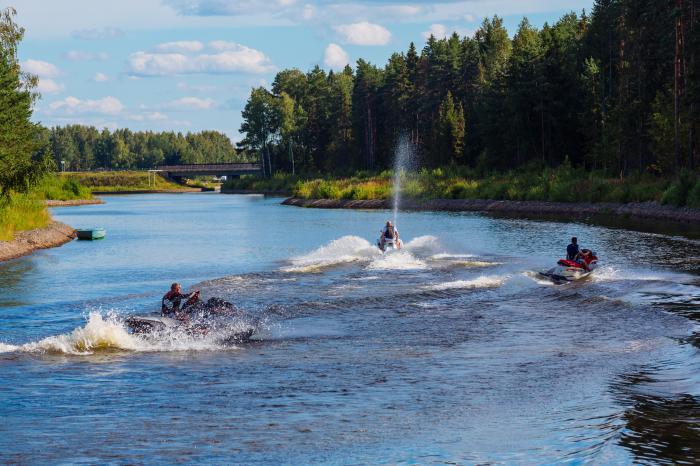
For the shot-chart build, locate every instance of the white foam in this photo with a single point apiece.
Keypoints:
(109, 333)
(343, 250)
(397, 260)
(423, 245)
(445, 256)
(5, 348)
(610, 273)
(481, 282)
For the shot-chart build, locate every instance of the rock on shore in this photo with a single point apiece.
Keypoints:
(642, 210)
(26, 242)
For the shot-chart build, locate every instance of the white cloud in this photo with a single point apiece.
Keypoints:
(235, 58)
(364, 33)
(97, 34)
(335, 57)
(182, 46)
(72, 106)
(100, 77)
(49, 86)
(77, 55)
(148, 116)
(192, 103)
(43, 69)
(439, 31)
(183, 86)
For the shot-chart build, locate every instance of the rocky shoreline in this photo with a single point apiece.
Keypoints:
(641, 211)
(77, 202)
(26, 242)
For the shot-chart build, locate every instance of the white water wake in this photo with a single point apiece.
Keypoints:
(493, 281)
(109, 333)
(345, 250)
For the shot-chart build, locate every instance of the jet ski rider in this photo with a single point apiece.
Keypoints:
(389, 233)
(580, 256)
(170, 304)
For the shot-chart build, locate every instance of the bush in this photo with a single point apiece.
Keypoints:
(62, 189)
(693, 199)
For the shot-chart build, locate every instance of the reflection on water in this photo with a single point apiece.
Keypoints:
(450, 351)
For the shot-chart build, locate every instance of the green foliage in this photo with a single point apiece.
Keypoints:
(21, 212)
(22, 159)
(682, 191)
(83, 148)
(564, 184)
(62, 189)
(121, 181)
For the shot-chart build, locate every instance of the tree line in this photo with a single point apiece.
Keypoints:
(616, 90)
(84, 148)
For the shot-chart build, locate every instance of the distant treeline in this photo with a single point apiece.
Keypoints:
(85, 148)
(616, 90)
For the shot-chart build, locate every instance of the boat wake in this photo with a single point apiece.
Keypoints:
(109, 333)
(418, 254)
(345, 250)
(494, 281)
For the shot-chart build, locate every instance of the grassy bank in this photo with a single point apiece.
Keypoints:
(22, 212)
(122, 181)
(563, 184)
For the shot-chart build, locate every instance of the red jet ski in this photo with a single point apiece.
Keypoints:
(567, 271)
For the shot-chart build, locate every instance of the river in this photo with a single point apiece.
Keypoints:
(450, 351)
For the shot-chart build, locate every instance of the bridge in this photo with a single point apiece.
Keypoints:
(229, 170)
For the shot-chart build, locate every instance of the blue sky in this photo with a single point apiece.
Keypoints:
(189, 65)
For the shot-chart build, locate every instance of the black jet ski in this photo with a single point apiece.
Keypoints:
(202, 318)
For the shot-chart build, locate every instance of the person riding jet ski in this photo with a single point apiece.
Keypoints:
(172, 300)
(170, 304)
(579, 263)
(389, 237)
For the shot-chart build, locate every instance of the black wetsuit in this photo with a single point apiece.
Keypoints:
(572, 251)
(175, 299)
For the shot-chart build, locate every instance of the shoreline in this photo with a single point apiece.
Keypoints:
(642, 211)
(26, 242)
(256, 191)
(151, 191)
(75, 202)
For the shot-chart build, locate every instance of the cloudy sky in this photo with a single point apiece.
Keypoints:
(188, 65)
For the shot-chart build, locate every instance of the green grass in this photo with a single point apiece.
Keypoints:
(22, 212)
(62, 189)
(563, 184)
(119, 181)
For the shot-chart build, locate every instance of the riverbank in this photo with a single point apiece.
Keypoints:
(127, 182)
(71, 203)
(263, 192)
(637, 210)
(26, 242)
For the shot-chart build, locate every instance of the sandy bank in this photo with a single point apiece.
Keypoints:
(73, 203)
(644, 210)
(25, 242)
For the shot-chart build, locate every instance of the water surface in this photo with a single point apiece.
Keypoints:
(452, 350)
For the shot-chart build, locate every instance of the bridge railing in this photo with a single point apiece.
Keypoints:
(210, 167)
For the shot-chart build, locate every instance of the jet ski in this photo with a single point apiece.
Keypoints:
(202, 318)
(389, 244)
(568, 271)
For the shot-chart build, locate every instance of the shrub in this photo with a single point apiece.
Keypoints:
(693, 199)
